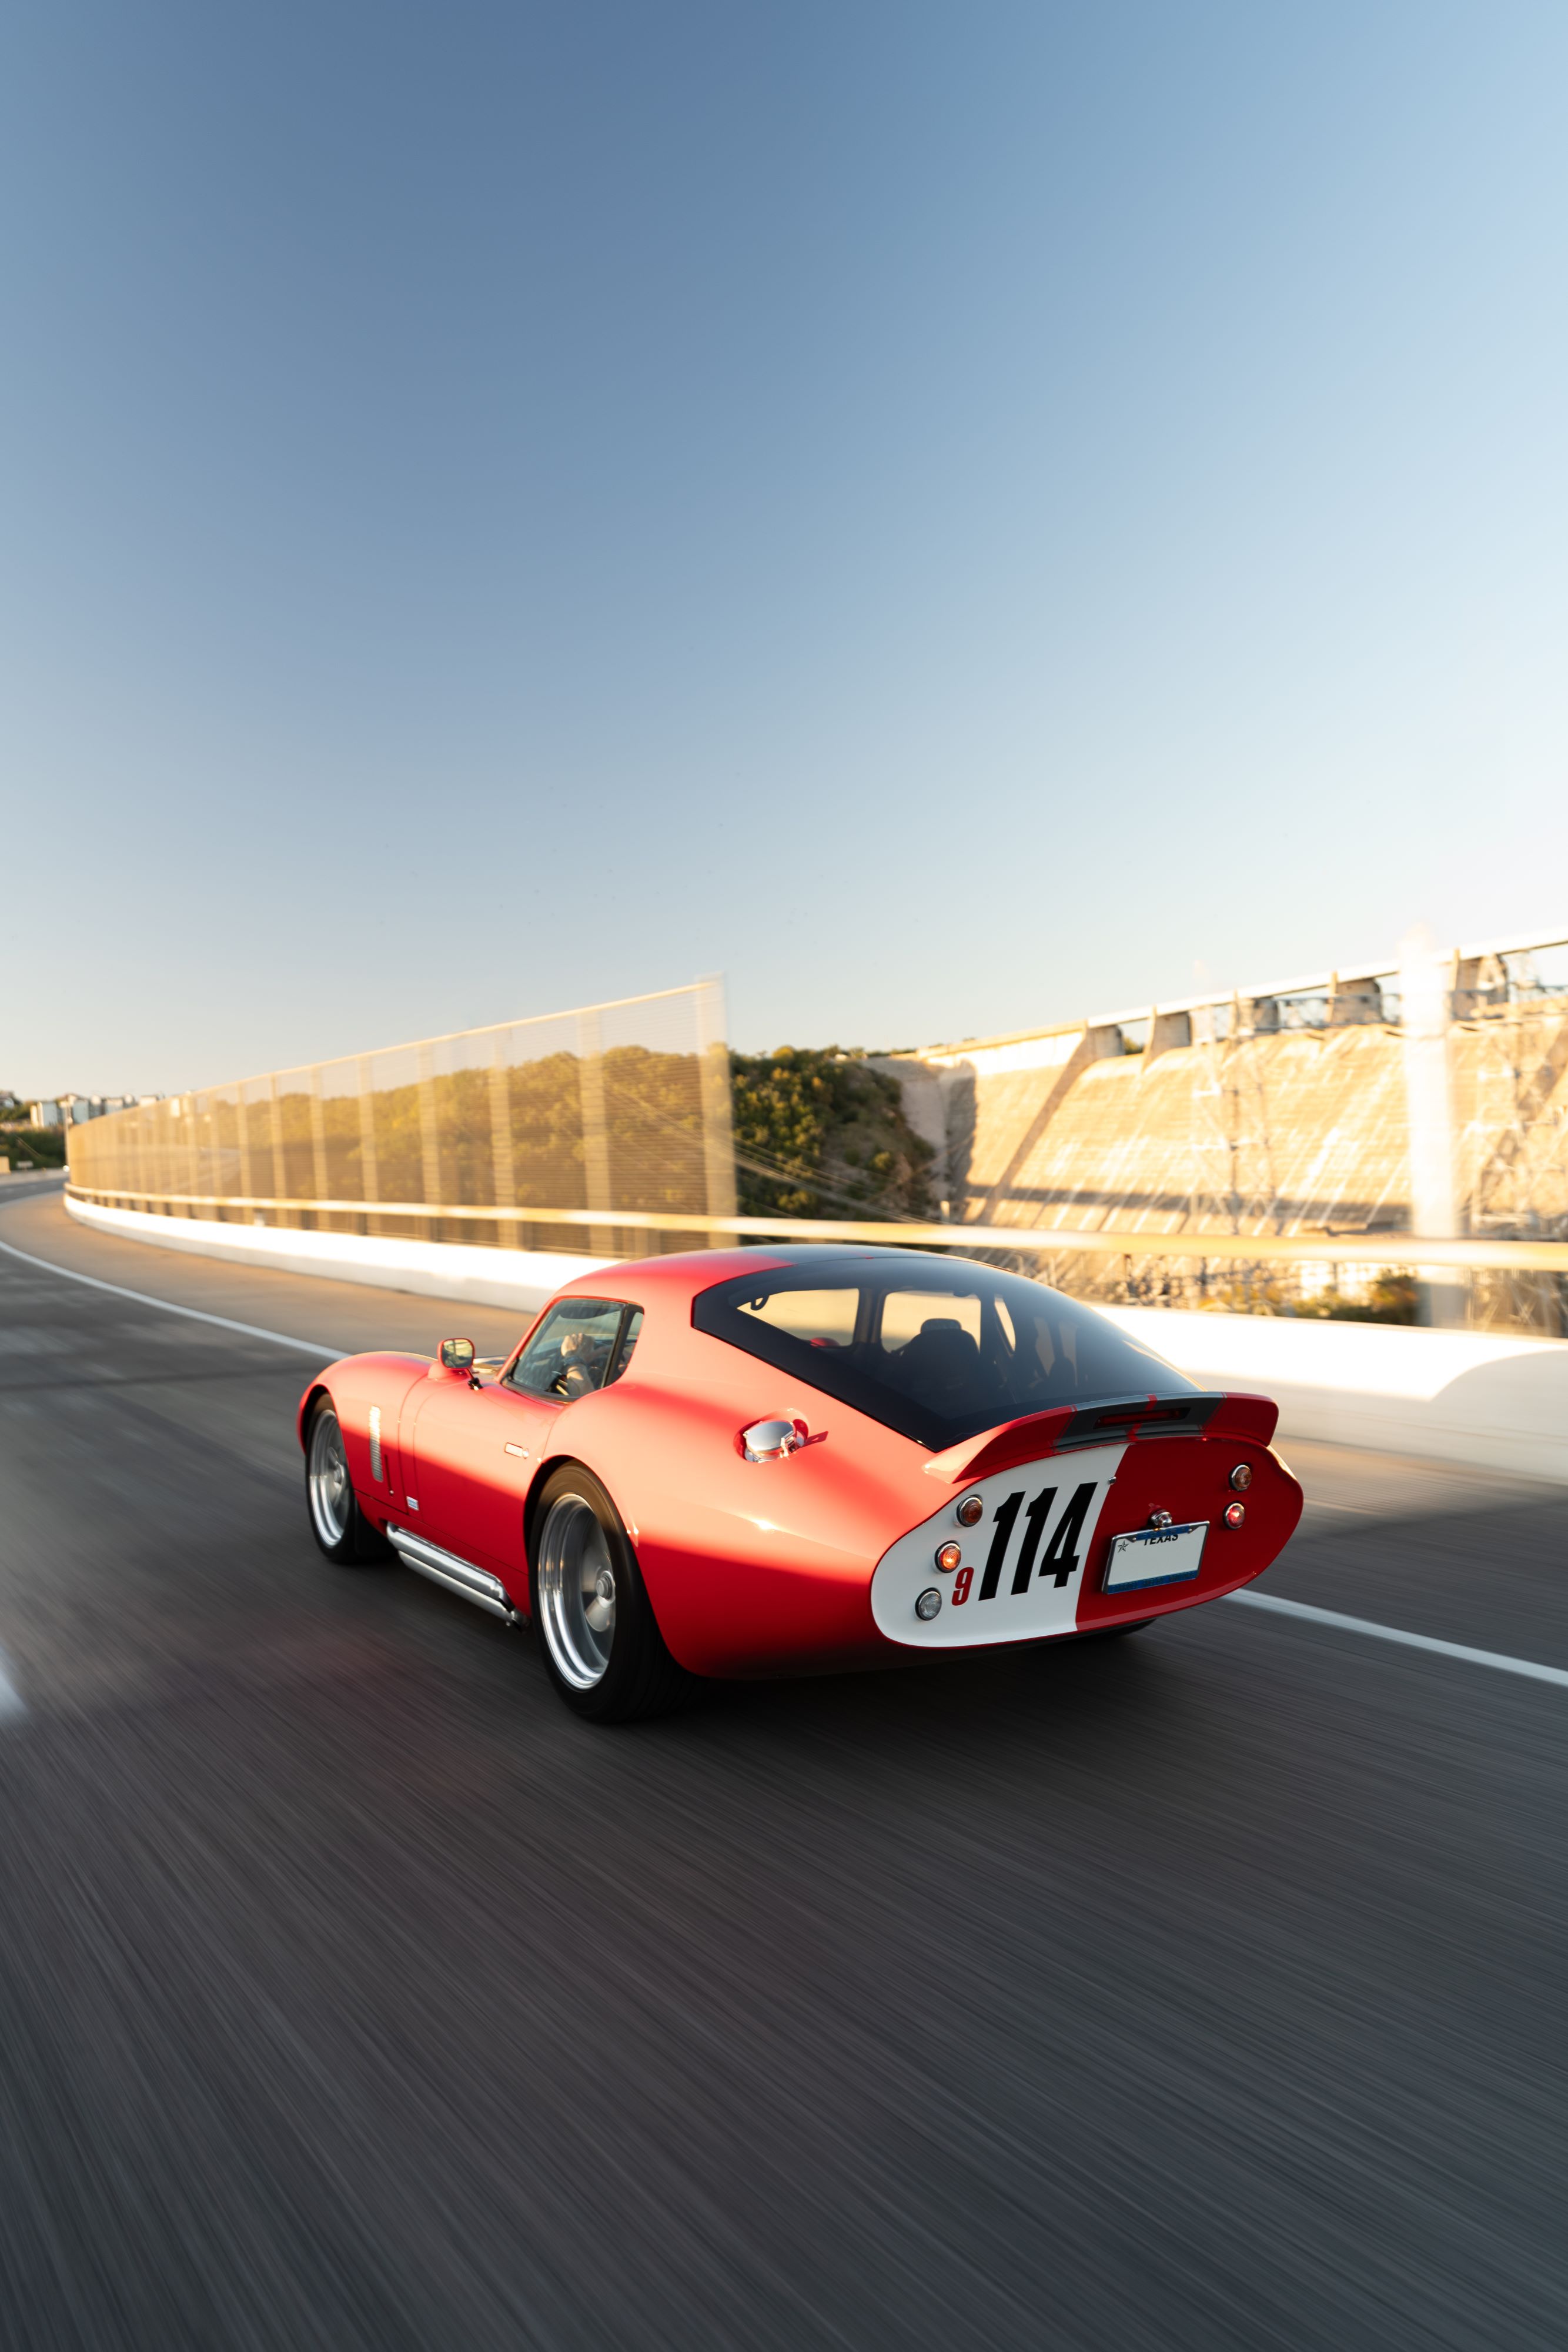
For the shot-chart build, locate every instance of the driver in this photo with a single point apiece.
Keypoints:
(582, 1355)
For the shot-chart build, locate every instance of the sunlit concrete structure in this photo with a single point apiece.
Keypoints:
(1318, 1106)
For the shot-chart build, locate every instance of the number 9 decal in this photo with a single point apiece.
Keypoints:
(961, 1584)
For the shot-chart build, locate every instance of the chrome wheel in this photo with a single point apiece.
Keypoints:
(576, 1591)
(327, 1479)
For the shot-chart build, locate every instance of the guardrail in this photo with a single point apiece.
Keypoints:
(1479, 1396)
(1409, 1250)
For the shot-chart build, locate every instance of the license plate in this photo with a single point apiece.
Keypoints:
(1154, 1556)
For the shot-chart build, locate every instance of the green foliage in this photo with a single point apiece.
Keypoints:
(33, 1146)
(1392, 1298)
(819, 1134)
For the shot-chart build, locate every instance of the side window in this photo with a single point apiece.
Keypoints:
(578, 1346)
(628, 1341)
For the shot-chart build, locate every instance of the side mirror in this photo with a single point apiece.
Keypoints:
(455, 1355)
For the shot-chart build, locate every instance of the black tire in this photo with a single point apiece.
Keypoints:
(340, 1526)
(603, 1647)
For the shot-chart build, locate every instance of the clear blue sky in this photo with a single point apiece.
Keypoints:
(950, 515)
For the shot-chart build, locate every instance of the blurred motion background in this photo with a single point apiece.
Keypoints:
(1029, 539)
(1279, 1134)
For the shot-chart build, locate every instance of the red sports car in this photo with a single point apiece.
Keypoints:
(785, 1460)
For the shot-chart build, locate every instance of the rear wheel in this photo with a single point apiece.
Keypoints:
(603, 1646)
(336, 1522)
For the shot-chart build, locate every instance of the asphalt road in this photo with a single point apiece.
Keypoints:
(1204, 1990)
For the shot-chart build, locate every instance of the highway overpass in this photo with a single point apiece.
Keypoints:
(1197, 1991)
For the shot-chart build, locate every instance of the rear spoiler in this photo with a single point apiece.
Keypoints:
(1114, 1421)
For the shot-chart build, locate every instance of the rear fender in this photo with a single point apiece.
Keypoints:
(757, 1566)
(1193, 1481)
(991, 1582)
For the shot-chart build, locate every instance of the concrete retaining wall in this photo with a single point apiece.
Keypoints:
(1487, 1400)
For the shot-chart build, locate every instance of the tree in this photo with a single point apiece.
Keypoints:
(819, 1134)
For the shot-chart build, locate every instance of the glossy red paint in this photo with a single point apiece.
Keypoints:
(1190, 1478)
(764, 1568)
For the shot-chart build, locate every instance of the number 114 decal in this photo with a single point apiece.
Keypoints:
(1060, 1559)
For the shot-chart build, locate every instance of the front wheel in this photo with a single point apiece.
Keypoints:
(603, 1645)
(336, 1522)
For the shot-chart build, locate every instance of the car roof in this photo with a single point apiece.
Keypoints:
(678, 1280)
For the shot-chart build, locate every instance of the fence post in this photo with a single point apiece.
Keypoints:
(209, 1153)
(595, 1127)
(279, 1155)
(369, 1180)
(504, 1176)
(317, 1139)
(191, 1146)
(719, 1126)
(242, 1128)
(429, 1138)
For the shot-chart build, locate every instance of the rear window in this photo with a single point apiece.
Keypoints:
(937, 1348)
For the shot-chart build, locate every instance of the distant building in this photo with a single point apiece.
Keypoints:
(71, 1110)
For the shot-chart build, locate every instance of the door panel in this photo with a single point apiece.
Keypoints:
(470, 1486)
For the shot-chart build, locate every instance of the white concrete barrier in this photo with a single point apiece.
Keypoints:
(1479, 1398)
(483, 1278)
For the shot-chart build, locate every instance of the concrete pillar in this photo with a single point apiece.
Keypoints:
(1166, 1031)
(1353, 1002)
(1480, 983)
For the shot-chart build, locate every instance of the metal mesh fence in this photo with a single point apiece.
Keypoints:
(606, 1111)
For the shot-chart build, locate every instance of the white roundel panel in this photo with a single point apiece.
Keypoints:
(1021, 1565)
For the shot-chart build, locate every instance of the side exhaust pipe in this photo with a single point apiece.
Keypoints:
(474, 1584)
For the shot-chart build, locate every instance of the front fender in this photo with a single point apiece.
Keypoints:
(355, 1386)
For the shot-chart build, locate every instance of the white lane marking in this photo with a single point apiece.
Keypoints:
(12, 1703)
(1359, 1508)
(1461, 1650)
(318, 1347)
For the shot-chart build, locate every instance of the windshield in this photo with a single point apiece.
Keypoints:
(937, 1348)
